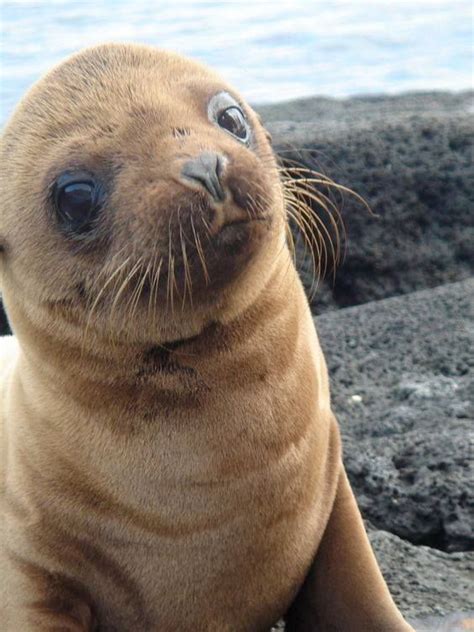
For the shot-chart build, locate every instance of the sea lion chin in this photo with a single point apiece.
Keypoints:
(170, 460)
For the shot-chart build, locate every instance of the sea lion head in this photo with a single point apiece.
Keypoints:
(140, 197)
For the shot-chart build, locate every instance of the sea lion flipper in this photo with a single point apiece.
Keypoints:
(344, 589)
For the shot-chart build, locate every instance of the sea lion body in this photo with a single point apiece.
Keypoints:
(194, 524)
(170, 460)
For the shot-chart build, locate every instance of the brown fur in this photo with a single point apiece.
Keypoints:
(169, 456)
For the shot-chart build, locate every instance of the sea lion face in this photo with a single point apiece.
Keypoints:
(140, 196)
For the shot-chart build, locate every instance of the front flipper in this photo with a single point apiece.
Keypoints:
(344, 590)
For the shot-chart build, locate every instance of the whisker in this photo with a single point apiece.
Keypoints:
(123, 287)
(104, 287)
(310, 242)
(200, 252)
(300, 191)
(169, 283)
(187, 275)
(154, 290)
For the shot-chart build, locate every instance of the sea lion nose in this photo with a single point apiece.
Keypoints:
(207, 170)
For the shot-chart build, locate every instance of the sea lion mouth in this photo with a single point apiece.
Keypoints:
(196, 265)
(248, 220)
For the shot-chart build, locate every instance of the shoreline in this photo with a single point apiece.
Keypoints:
(297, 108)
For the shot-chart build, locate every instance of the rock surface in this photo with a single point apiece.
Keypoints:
(403, 391)
(411, 158)
(424, 582)
(458, 622)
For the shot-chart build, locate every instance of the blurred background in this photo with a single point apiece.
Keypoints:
(377, 96)
(270, 51)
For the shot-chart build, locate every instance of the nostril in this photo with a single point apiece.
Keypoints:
(207, 170)
(220, 165)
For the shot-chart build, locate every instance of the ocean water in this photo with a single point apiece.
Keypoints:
(269, 50)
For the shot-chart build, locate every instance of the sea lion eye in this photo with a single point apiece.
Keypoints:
(78, 196)
(232, 119)
(224, 111)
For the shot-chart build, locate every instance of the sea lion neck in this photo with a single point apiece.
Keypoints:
(180, 371)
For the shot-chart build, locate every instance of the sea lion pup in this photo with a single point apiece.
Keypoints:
(170, 458)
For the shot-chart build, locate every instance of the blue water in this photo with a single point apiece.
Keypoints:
(270, 51)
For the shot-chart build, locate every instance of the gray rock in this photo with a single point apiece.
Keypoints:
(403, 391)
(424, 581)
(410, 157)
(457, 622)
(327, 111)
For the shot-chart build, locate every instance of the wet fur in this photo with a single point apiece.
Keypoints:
(170, 460)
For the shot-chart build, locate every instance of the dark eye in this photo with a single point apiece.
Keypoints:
(78, 198)
(232, 119)
(224, 110)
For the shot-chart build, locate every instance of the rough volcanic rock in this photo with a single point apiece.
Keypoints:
(410, 157)
(403, 391)
(457, 622)
(424, 581)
